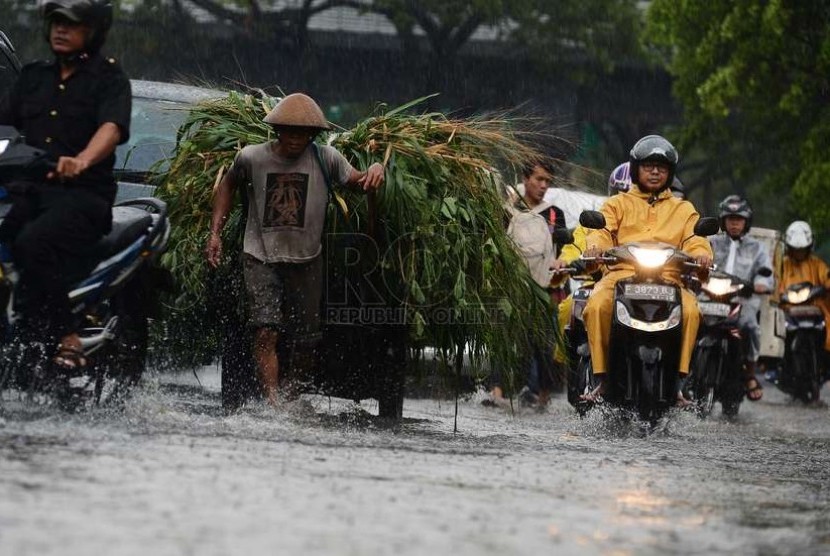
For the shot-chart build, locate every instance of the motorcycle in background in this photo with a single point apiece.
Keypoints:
(805, 327)
(716, 374)
(112, 300)
(576, 351)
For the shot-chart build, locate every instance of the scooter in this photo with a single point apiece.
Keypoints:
(645, 340)
(804, 343)
(111, 302)
(577, 353)
(716, 373)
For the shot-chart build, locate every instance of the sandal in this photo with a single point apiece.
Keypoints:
(754, 390)
(69, 358)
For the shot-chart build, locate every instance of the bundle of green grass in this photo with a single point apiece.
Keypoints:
(443, 258)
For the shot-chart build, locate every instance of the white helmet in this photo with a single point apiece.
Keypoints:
(798, 235)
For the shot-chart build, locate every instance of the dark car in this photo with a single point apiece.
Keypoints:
(158, 111)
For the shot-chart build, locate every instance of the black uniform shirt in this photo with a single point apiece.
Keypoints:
(61, 117)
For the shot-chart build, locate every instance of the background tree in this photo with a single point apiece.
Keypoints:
(752, 77)
(572, 63)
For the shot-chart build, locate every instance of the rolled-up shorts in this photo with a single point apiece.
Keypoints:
(284, 296)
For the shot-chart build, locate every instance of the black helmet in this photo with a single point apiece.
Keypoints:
(97, 14)
(653, 148)
(735, 205)
(677, 188)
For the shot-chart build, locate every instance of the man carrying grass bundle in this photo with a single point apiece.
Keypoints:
(287, 187)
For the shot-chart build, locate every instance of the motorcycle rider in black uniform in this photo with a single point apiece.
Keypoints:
(77, 108)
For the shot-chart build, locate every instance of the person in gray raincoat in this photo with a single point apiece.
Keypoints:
(740, 255)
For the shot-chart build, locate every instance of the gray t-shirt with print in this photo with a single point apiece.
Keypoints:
(286, 200)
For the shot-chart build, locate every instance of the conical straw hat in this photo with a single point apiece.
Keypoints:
(297, 110)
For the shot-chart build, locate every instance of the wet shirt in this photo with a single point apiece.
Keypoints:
(287, 200)
(61, 116)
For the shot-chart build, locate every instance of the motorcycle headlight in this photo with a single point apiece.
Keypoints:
(719, 287)
(650, 258)
(4, 144)
(798, 296)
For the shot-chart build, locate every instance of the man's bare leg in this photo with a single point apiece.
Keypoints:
(265, 354)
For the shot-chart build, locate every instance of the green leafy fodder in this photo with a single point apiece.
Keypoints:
(438, 227)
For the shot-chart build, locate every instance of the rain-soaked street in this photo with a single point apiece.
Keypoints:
(170, 474)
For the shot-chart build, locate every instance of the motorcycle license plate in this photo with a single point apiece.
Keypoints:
(710, 309)
(650, 292)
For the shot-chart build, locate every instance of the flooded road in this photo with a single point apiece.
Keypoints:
(169, 474)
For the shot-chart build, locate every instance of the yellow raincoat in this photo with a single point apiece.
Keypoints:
(813, 270)
(633, 218)
(570, 253)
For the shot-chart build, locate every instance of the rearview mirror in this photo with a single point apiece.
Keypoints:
(706, 227)
(592, 219)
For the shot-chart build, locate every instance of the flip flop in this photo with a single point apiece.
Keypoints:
(754, 393)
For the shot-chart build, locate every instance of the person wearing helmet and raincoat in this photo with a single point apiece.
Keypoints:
(647, 212)
(619, 181)
(76, 107)
(287, 190)
(802, 265)
(740, 255)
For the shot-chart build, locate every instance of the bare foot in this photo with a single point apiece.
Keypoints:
(682, 402)
(594, 395)
(270, 396)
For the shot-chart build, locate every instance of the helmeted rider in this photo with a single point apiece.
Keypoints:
(802, 265)
(77, 108)
(677, 188)
(647, 212)
(619, 181)
(743, 256)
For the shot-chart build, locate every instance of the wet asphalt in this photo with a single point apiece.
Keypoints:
(168, 473)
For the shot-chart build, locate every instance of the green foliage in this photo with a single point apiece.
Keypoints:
(753, 79)
(582, 34)
(439, 227)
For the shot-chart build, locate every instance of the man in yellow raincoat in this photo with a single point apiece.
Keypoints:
(801, 265)
(647, 212)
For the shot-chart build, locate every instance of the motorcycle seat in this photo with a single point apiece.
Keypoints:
(128, 224)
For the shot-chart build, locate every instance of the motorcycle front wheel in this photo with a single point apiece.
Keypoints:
(580, 382)
(701, 387)
(804, 369)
